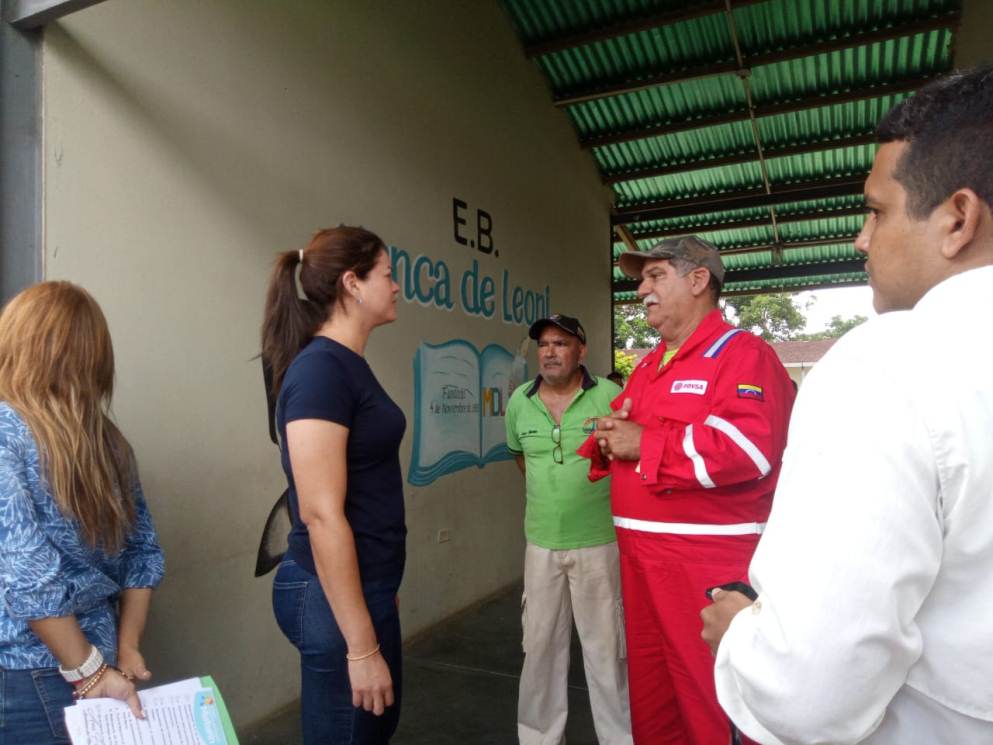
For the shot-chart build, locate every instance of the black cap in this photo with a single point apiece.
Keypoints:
(567, 323)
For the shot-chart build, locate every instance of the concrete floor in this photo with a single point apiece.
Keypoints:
(460, 685)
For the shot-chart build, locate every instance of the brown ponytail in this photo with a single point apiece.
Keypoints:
(290, 322)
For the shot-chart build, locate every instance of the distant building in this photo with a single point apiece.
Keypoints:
(799, 357)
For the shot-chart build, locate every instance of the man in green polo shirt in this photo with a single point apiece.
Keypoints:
(571, 566)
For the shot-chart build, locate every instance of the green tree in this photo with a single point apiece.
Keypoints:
(631, 330)
(774, 317)
(836, 328)
(624, 362)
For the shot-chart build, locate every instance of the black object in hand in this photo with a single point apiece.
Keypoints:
(741, 587)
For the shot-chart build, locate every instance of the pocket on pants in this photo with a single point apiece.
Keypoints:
(524, 622)
(55, 694)
(622, 644)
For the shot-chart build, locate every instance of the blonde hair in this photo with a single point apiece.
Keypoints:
(57, 372)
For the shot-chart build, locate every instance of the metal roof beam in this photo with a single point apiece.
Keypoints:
(756, 247)
(851, 266)
(744, 77)
(768, 290)
(798, 192)
(855, 39)
(738, 158)
(761, 111)
(625, 26)
(756, 222)
(624, 234)
(29, 14)
(811, 243)
(791, 288)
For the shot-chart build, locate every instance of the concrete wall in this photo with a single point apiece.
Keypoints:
(185, 143)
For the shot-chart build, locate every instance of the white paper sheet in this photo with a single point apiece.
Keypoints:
(183, 713)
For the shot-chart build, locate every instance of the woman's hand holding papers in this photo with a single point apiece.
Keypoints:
(113, 684)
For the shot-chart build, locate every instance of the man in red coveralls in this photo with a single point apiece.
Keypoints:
(694, 449)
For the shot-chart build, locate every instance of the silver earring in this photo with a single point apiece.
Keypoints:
(358, 299)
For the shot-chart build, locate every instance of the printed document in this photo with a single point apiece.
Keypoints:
(190, 712)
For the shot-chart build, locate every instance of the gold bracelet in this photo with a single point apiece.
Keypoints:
(356, 658)
(80, 693)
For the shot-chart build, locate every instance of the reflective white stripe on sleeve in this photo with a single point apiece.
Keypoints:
(741, 441)
(699, 467)
(649, 526)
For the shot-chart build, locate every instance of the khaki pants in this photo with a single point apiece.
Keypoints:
(559, 585)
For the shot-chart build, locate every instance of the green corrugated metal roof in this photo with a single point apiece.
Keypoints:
(710, 181)
(786, 212)
(659, 103)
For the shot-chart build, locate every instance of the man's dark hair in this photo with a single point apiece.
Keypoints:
(948, 125)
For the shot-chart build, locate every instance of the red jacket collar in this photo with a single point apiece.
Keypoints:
(711, 325)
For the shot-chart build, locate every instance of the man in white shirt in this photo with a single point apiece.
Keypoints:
(874, 620)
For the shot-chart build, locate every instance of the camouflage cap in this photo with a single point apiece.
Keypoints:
(688, 248)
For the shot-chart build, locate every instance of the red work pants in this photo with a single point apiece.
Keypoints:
(670, 668)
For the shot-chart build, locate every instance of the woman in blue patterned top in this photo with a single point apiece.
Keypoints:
(78, 552)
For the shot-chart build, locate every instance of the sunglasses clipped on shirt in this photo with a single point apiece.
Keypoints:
(557, 450)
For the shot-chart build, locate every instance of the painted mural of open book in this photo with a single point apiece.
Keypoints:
(460, 397)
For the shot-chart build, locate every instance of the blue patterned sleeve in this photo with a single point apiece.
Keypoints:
(142, 561)
(32, 580)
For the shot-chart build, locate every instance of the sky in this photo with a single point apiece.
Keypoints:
(839, 301)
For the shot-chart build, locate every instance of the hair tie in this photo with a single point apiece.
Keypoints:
(300, 254)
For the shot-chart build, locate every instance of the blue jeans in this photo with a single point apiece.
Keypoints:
(31, 704)
(303, 614)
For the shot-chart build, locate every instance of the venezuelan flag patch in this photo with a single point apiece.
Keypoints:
(750, 391)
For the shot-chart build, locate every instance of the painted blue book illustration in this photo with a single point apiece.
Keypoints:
(460, 397)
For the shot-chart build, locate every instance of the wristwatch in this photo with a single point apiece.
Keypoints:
(90, 665)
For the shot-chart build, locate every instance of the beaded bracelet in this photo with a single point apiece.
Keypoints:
(358, 657)
(89, 685)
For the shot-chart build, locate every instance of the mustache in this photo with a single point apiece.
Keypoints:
(650, 298)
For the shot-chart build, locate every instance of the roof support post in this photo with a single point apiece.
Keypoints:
(20, 158)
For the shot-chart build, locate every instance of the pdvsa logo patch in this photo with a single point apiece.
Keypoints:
(697, 387)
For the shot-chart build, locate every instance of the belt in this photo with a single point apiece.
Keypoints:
(648, 526)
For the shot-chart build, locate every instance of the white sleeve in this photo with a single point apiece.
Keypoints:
(851, 551)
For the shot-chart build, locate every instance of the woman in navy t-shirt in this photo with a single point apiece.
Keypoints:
(334, 595)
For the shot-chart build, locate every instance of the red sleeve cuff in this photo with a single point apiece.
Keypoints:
(599, 465)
